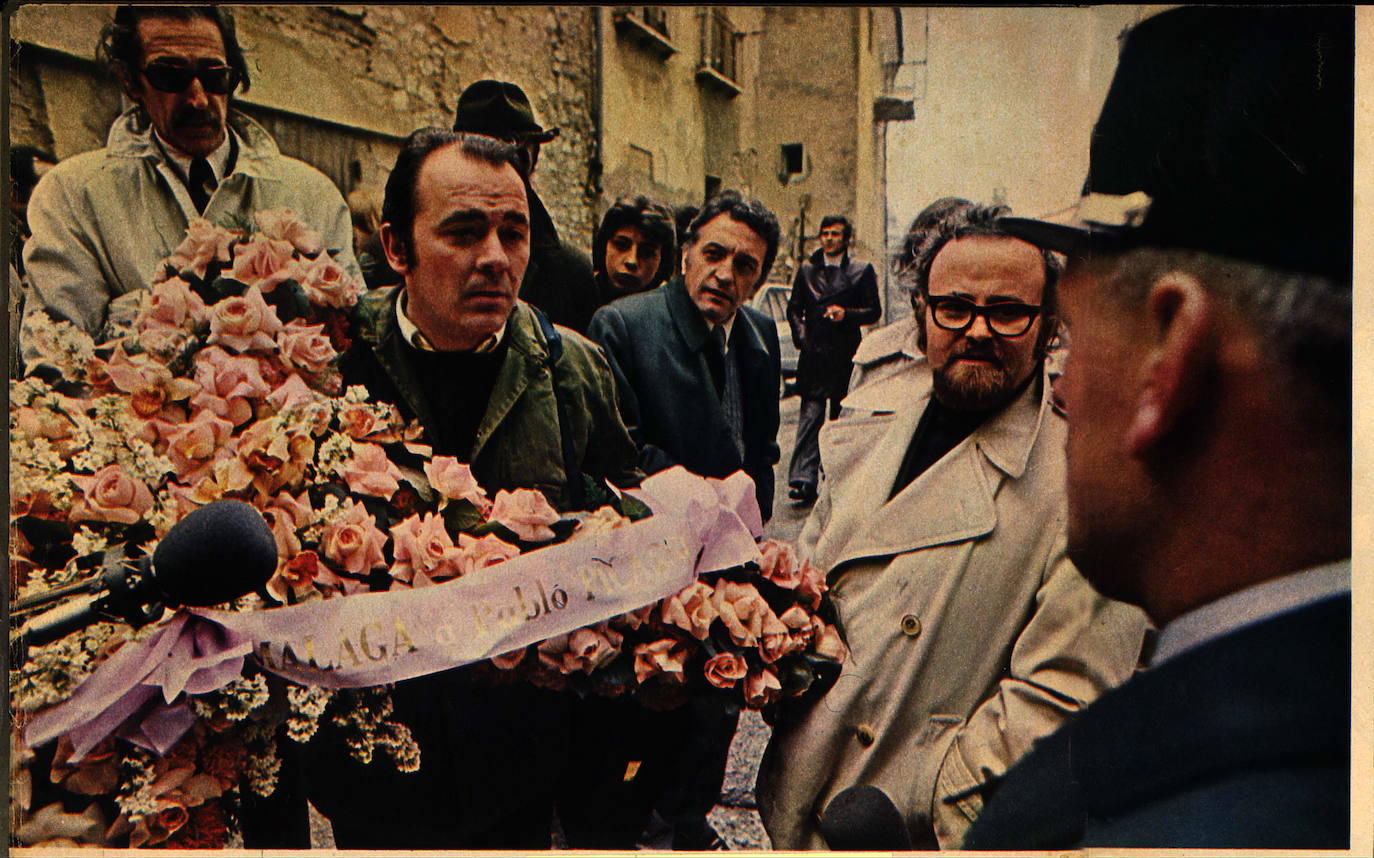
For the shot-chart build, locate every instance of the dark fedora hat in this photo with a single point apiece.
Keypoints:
(1228, 130)
(499, 109)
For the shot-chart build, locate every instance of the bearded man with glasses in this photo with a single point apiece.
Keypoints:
(941, 527)
(103, 220)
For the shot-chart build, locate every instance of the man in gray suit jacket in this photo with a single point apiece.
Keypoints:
(697, 372)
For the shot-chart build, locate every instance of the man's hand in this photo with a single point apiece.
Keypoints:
(834, 313)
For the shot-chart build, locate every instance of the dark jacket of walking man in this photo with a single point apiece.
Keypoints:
(832, 296)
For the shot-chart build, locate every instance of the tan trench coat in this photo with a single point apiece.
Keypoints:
(971, 633)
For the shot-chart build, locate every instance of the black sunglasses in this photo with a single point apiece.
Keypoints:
(166, 77)
(1007, 319)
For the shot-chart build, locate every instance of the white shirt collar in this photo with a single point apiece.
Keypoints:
(175, 167)
(833, 260)
(417, 338)
(1251, 605)
(728, 325)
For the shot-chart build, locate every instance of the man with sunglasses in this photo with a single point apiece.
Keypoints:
(941, 528)
(102, 221)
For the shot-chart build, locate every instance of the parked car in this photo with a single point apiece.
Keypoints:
(771, 300)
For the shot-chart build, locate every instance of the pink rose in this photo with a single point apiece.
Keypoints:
(204, 243)
(295, 576)
(423, 545)
(761, 688)
(665, 656)
(285, 516)
(164, 343)
(111, 495)
(779, 563)
(229, 385)
(264, 264)
(526, 512)
(742, 610)
(370, 472)
(150, 385)
(725, 670)
(353, 540)
(358, 422)
(475, 554)
(283, 225)
(327, 284)
(691, 610)
(305, 347)
(244, 323)
(193, 445)
(41, 423)
(454, 481)
(172, 304)
(292, 393)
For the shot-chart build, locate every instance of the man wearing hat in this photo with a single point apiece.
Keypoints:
(559, 279)
(1209, 447)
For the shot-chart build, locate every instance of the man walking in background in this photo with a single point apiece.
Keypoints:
(833, 295)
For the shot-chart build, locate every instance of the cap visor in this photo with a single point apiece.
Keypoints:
(1073, 237)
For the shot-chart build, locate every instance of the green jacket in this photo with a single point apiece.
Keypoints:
(518, 443)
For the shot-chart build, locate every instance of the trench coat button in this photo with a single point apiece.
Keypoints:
(865, 734)
(911, 626)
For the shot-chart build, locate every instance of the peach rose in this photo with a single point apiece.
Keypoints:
(286, 515)
(244, 323)
(305, 347)
(509, 660)
(150, 385)
(327, 284)
(799, 626)
(742, 610)
(163, 343)
(358, 421)
(665, 656)
(829, 644)
(111, 495)
(270, 459)
(204, 243)
(761, 688)
(295, 576)
(281, 224)
(193, 445)
(812, 586)
(589, 649)
(41, 423)
(454, 480)
(353, 540)
(229, 385)
(526, 512)
(476, 554)
(264, 263)
(634, 619)
(725, 669)
(422, 544)
(779, 563)
(775, 639)
(371, 473)
(171, 304)
(691, 610)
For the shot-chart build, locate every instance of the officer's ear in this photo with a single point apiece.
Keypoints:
(394, 246)
(1181, 319)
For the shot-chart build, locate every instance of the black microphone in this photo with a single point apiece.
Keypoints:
(215, 554)
(863, 819)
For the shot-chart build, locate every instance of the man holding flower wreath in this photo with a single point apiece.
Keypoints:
(527, 405)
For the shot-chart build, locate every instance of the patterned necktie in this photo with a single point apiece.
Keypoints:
(201, 183)
(730, 396)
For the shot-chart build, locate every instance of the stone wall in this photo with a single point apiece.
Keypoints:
(368, 75)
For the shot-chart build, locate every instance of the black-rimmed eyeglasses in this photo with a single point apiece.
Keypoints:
(169, 77)
(1005, 319)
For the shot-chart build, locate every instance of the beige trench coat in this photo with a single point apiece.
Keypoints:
(971, 633)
